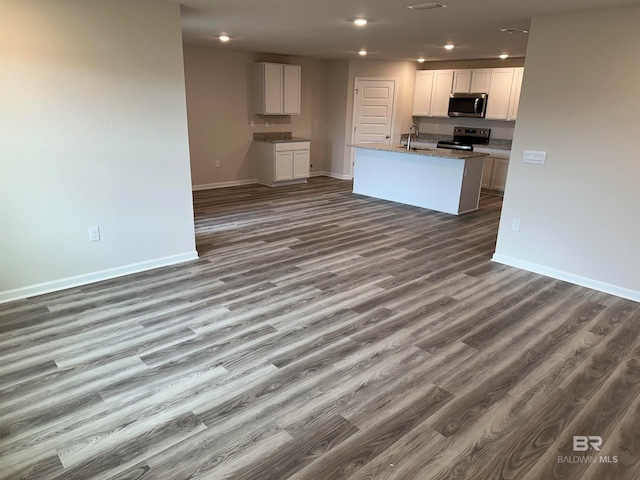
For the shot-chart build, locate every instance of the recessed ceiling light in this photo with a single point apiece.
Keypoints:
(360, 22)
(514, 30)
(223, 38)
(449, 46)
(504, 55)
(426, 6)
(362, 52)
(421, 60)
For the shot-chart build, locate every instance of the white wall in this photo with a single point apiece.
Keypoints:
(579, 103)
(220, 105)
(93, 132)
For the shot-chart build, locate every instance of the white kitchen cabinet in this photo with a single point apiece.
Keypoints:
(486, 173)
(480, 80)
(471, 81)
(504, 93)
(277, 88)
(442, 81)
(496, 166)
(499, 94)
(282, 163)
(461, 81)
(499, 174)
(431, 93)
(422, 92)
(516, 86)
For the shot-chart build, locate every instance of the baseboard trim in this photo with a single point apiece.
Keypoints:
(567, 277)
(79, 280)
(233, 183)
(338, 176)
(251, 181)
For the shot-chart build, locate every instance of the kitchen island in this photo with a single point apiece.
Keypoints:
(438, 179)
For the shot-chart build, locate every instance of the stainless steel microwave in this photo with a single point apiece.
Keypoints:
(468, 105)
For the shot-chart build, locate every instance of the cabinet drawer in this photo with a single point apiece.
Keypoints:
(288, 146)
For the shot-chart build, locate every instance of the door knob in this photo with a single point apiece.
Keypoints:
(386, 136)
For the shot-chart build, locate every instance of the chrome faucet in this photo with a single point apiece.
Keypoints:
(412, 127)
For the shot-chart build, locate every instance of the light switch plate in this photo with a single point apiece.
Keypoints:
(534, 156)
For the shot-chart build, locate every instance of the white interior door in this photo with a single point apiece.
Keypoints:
(373, 111)
(373, 108)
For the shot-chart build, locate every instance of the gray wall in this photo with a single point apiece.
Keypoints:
(93, 132)
(579, 103)
(220, 101)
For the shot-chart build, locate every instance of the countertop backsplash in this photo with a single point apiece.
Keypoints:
(500, 143)
(271, 136)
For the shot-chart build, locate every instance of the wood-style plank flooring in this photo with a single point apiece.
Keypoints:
(322, 335)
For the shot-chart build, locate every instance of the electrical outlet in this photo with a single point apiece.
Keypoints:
(515, 224)
(252, 123)
(217, 163)
(94, 234)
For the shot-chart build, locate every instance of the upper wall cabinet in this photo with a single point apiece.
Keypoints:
(277, 88)
(504, 93)
(471, 81)
(432, 89)
(516, 86)
(431, 93)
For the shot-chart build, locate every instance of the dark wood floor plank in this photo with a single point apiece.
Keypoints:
(299, 452)
(532, 446)
(624, 444)
(361, 448)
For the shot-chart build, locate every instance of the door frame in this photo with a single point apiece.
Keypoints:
(396, 82)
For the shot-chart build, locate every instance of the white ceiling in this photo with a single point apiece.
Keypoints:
(321, 28)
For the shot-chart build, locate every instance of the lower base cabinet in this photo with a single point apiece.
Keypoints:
(496, 165)
(282, 163)
(494, 176)
(499, 174)
(486, 173)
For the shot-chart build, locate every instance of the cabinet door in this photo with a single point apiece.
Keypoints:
(499, 94)
(292, 89)
(486, 173)
(284, 166)
(480, 80)
(442, 82)
(301, 164)
(499, 174)
(516, 86)
(461, 81)
(422, 93)
(273, 100)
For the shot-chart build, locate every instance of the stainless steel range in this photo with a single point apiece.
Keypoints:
(464, 138)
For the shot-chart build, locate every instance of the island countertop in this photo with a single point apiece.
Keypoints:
(439, 179)
(431, 152)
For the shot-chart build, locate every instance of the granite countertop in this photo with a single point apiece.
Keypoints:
(435, 152)
(277, 137)
(497, 143)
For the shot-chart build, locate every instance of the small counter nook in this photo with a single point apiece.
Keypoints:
(439, 179)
